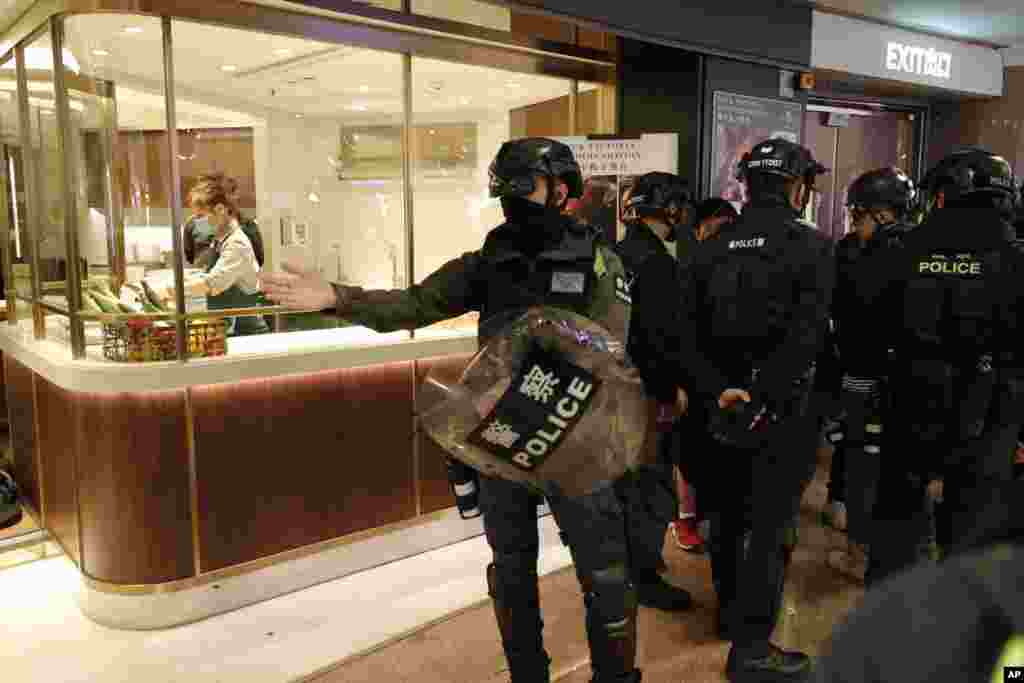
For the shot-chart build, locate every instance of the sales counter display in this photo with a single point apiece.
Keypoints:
(186, 489)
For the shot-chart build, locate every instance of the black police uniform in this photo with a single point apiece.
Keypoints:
(957, 380)
(515, 269)
(760, 296)
(648, 494)
(955, 622)
(862, 350)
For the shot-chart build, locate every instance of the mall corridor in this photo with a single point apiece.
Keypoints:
(673, 647)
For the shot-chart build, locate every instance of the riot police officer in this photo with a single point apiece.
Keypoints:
(537, 257)
(658, 210)
(879, 203)
(758, 308)
(954, 291)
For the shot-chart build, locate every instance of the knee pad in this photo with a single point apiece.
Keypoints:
(610, 596)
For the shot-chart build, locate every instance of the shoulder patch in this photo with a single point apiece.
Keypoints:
(600, 267)
(622, 289)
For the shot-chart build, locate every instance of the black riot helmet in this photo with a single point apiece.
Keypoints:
(782, 159)
(518, 161)
(883, 188)
(664, 196)
(971, 174)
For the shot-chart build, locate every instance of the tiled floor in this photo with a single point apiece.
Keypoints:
(355, 629)
(676, 648)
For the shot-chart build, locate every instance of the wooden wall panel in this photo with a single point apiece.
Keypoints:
(21, 409)
(3, 395)
(55, 412)
(286, 462)
(435, 493)
(134, 486)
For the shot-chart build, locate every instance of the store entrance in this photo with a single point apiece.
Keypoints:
(851, 140)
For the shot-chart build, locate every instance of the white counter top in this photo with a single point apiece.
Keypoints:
(255, 357)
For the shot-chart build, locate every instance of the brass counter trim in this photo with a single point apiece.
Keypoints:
(261, 563)
(193, 480)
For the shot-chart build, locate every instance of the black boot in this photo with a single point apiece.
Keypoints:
(654, 591)
(767, 664)
(611, 626)
(517, 608)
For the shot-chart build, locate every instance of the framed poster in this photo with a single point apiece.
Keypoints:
(741, 122)
(609, 167)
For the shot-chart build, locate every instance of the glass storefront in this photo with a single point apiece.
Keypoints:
(367, 163)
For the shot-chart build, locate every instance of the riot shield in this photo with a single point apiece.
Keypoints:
(551, 401)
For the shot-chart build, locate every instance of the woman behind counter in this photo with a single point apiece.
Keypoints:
(231, 279)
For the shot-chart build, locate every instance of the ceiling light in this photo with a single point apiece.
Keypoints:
(133, 29)
(364, 88)
(281, 52)
(358, 107)
(465, 100)
(432, 131)
(514, 84)
(229, 67)
(101, 53)
(298, 116)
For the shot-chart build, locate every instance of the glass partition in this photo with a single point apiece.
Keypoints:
(311, 134)
(47, 184)
(310, 140)
(17, 282)
(119, 152)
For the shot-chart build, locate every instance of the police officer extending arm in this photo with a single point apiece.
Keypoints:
(954, 296)
(759, 304)
(538, 257)
(659, 209)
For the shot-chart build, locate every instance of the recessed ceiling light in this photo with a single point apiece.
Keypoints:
(432, 131)
(133, 29)
(465, 100)
(298, 116)
(358, 107)
(101, 53)
(229, 67)
(281, 52)
(364, 88)
(355, 137)
(514, 84)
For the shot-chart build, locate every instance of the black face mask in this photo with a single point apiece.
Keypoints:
(539, 225)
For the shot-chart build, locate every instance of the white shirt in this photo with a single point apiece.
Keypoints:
(237, 263)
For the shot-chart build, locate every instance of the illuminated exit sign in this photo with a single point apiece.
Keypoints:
(918, 61)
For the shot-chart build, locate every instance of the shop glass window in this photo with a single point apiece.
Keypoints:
(308, 131)
(461, 116)
(118, 145)
(473, 12)
(17, 285)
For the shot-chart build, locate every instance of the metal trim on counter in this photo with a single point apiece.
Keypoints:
(52, 360)
(154, 606)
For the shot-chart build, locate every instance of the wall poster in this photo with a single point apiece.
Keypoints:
(609, 167)
(740, 123)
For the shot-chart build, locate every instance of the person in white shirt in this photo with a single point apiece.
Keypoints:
(232, 279)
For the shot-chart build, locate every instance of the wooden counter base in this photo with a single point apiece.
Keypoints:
(227, 494)
(166, 605)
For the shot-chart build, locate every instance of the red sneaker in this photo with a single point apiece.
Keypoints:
(684, 530)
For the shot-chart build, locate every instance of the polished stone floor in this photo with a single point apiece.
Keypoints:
(677, 648)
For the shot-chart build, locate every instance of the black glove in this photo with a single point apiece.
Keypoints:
(743, 425)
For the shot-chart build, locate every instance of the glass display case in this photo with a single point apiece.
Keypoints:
(361, 153)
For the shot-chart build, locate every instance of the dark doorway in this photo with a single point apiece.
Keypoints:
(851, 141)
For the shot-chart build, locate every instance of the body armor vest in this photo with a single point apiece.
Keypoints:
(561, 276)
